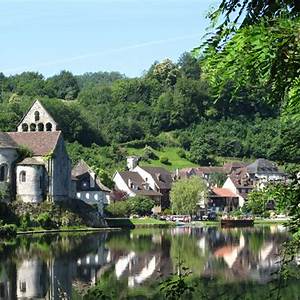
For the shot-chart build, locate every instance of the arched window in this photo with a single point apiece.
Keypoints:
(22, 176)
(32, 127)
(48, 127)
(3, 172)
(24, 127)
(40, 127)
(36, 116)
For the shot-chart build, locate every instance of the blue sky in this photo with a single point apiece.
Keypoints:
(97, 35)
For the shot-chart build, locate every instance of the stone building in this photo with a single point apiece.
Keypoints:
(34, 164)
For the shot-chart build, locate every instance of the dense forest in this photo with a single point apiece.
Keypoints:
(171, 105)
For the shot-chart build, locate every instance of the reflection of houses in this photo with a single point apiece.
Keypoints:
(31, 279)
(89, 187)
(6, 284)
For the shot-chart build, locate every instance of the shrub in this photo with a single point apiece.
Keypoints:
(25, 221)
(141, 206)
(181, 153)
(44, 220)
(118, 209)
(8, 230)
(148, 153)
(164, 160)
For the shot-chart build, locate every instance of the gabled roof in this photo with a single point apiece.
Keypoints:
(39, 142)
(138, 181)
(43, 107)
(6, 141)
(262, 166)
(29, 161)
(82, 168)
(223, 192)
(161, 176)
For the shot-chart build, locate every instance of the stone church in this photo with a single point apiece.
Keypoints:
(46, 172)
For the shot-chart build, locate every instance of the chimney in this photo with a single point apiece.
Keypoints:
(132, 162)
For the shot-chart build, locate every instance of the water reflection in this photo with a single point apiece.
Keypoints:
(48, 267)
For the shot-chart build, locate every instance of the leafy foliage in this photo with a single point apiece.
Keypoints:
(186, 194)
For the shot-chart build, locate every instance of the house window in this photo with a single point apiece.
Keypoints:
(3, 172)
(23, 286)
(22, 176)
(36, 116)
(40, 127)
(48, 127)
(24, 127)
(84, 185)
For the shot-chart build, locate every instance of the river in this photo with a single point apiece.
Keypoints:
(224, 263)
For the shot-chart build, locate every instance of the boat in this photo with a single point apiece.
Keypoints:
(228, 223)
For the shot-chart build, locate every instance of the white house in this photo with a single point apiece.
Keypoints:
(89, 187)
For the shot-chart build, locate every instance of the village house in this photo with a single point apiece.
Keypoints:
(89, 187)
(153, 182)
(34, 164)
(255, 175)
(222, 199)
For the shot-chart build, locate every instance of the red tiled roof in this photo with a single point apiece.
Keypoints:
(223, 192)
(39, 142)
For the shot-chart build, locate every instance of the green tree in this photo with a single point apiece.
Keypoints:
(63, 86)
(141, 206)
(187, 194)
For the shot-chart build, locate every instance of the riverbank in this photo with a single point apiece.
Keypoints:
(61, 230)
(138, 223)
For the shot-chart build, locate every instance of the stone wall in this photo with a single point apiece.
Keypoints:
(32, 189)
(37, 119)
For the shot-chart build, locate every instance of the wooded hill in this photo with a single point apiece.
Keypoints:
(106, 115)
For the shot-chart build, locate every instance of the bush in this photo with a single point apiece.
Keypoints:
(181, 153)
(44, 220)
(118, 209)
(141, 206)
(164, 160)
(148, 153)
(25, 221)
(8, 230)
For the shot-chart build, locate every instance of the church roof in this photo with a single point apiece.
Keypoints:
(30, 161)
(40, 143)
(6, 141)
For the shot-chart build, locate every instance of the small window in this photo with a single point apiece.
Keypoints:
(32, 127)
(22, 176)
(40, 127)
(85, 185)
(3, 172)
(36, 116)
(23, 286)
(48, 127)
(24, 127)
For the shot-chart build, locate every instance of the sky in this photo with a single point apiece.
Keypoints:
(48, 36)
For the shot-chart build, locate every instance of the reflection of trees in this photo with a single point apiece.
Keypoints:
(185, 248)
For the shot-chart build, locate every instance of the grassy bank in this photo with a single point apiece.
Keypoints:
(138, 222)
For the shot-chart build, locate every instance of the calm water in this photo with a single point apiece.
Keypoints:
(238, 264)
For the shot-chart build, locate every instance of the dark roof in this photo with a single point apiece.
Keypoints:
(211, 170)
(83, 168)
(161, 176)
(31, 161)
(6, 141)
(138, 181)
(39, 142)
(262, 166)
